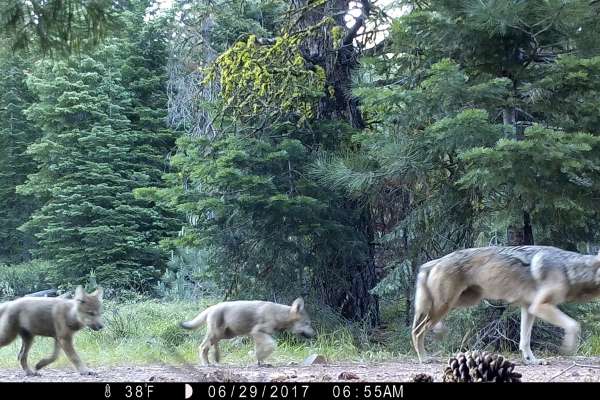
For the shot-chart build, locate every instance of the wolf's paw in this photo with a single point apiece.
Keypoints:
(88, 372)
(427, 359)
(571, 339)
(32, 373)
(265, 365)
(534, 361)
(568, 347)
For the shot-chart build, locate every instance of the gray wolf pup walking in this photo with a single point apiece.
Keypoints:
(259, 319)
(54, 317)
(537, 278)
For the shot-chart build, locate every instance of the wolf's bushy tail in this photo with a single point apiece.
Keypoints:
(196, 322)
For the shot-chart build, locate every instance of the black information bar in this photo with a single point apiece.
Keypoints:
(285, 390)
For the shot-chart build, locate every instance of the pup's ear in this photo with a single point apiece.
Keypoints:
(298, 305)
(79, 293)
(98, 293)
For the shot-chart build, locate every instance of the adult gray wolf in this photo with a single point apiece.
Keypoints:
(259, 319)
(54, 317)
(537, 278)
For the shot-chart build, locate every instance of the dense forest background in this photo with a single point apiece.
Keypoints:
(269, 149)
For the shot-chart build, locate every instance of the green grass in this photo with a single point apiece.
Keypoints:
(148, 332)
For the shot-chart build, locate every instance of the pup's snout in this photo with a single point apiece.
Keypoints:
(308, 335)
(97, 326)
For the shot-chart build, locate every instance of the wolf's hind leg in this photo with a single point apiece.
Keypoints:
(203, 350)
(217, 353)
(27, 341)
(45, 361)
(419, 330)
(527, 320)
(421, 325)
(8, 331)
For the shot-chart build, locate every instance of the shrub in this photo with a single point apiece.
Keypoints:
(187, 277)
(21, 279)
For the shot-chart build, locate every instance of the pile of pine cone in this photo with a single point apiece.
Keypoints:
(475, 366)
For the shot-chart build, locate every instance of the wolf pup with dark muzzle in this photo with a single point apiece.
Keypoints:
(258, 319)
(54, 317)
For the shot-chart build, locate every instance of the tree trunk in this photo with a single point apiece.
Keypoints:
(339, 58)
(338, 62)
(515, 235)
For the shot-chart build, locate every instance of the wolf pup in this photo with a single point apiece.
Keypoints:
(54, 317)
(259, 319)
(538, 278)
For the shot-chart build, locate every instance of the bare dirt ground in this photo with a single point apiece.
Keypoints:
(568, 369)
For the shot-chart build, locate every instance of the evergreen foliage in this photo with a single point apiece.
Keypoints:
(482, 118)
(103, 136)
(16, 133)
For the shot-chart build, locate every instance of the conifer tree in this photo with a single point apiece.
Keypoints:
(90, 159)
(16, 133)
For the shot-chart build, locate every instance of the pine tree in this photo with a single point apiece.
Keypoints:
(283, 97)
(16, 133)
(474, 110)
(525, 72)
(57, 25)
(89, 162)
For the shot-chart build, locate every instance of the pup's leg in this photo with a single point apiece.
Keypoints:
(45, 361)
(66, 342)
(27, 341)
(543, 307)
(203, 350)
(264, 346)
(216, 350)
(525, 342)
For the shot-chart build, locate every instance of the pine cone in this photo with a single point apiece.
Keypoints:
(423, 378)
(475, 366)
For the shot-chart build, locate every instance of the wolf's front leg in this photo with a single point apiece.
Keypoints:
(27, 341)
(527, 320)
(550, 313)
(67, 345)
(264, 345)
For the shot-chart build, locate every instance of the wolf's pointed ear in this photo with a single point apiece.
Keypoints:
(298, 305)
(99, 292)
(79, 293)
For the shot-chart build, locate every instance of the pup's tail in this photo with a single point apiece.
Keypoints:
(196, 322)
(423, 306)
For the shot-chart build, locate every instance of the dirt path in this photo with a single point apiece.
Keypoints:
(385, 371)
